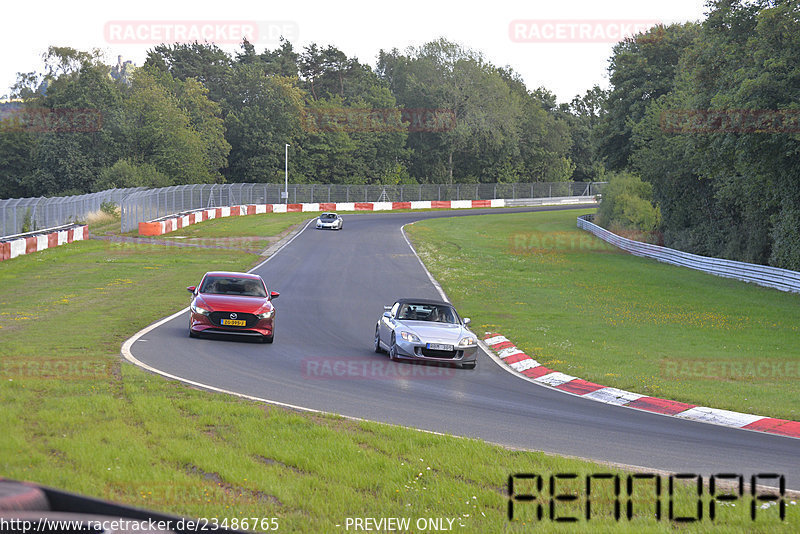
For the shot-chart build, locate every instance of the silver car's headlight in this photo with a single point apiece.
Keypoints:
(408, 336)
(468, 342)
(266, 315)
(197, 309)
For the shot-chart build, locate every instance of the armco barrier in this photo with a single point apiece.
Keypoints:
(763, 275)
(174, 222)
(164, 202)
(17, 245)
(171, 223)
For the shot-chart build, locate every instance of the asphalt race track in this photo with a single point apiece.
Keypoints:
(333, 287)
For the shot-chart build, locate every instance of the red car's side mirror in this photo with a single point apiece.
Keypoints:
(274, 295)
(191, 289)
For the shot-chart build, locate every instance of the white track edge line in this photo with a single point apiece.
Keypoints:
(125, 350)
(430, 276)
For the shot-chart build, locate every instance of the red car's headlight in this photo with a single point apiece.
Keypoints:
(267, 314)
(197, 309)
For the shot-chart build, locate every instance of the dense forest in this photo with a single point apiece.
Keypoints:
(195, 114)
(698, 133)
(708, 117)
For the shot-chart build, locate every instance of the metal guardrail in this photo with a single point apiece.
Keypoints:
(151, 204)
(521, 202)
(35, 233)
(18, 215)
(763, 275)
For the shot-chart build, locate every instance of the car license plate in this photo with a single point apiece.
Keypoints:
(439, 346)
(233, 322)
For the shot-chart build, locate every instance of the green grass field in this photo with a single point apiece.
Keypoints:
(580, 306)
(260, 226)
(77, 417)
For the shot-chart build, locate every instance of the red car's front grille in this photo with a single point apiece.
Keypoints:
(249, 318)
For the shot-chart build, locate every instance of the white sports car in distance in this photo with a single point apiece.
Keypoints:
(330, 221)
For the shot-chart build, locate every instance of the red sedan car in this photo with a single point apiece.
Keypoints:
(232, 303)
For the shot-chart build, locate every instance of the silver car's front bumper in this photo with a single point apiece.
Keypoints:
(418, 351)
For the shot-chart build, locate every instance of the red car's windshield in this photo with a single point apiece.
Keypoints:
(222, 285)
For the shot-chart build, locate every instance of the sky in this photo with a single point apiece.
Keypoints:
(562, 45)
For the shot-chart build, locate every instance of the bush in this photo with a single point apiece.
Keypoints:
(627, 204)
(109, 207)
(28, 224)
(786, 241)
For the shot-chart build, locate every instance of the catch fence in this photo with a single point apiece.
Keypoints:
(152, 204)
(20, 215)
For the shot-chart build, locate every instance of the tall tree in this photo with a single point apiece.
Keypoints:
(641, 69)
(207, 63)
(264, 115)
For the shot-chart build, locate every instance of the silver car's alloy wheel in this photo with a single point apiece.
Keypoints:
(378, 348)
(393, 350)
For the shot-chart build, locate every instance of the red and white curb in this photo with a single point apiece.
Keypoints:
(14, 247)
(523, 364)
(170, 224)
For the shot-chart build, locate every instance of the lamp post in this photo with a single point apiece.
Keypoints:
(286, 187)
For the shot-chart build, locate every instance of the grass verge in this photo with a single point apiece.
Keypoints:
(76, 417)
(587, 309)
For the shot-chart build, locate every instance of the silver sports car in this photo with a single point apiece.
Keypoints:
(330, 220)
(429, 330)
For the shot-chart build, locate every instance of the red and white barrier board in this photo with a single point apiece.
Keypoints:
(523, 364)
(28, 244)
(171, 224)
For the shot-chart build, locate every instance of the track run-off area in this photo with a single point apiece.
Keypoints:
(333, 288)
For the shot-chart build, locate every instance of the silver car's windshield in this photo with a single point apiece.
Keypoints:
(427, 312)
(328, 217)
